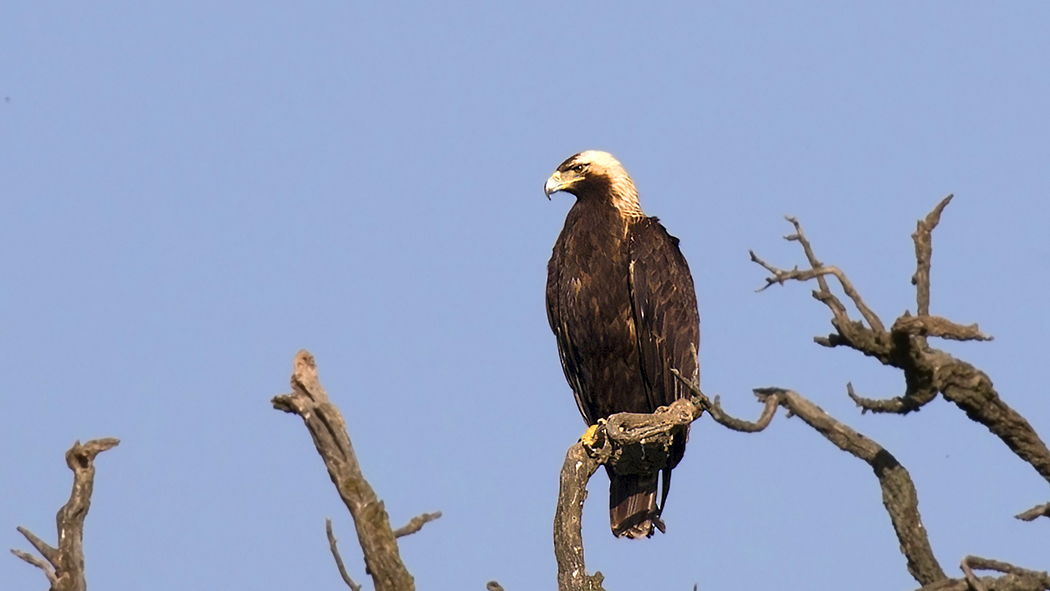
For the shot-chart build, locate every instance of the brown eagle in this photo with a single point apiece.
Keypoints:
(620, 301)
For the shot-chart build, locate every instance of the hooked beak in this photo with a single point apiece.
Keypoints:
(553, 185)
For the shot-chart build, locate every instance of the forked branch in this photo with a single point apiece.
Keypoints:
(927, 371)
(325, 423)
(64, 568)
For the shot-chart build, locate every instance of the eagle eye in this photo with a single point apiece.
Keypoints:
(579, 168)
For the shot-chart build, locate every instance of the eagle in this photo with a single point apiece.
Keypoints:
(621, 303)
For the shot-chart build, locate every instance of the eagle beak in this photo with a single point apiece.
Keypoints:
(553, 185)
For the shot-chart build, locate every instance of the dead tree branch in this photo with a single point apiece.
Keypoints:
(898, 491)
(1014, 578)
(923, 238)
(621, 438)
(633, 443)
(1035, 513)
(927, 371)
(64, 568)
(722, 417)
(578, 468)
(325, 423)
(416, 524)
(1029, 578)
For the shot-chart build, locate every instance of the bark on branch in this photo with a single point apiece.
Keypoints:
(325, 423)
(64, 566)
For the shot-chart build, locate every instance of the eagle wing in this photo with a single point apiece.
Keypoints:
(666, 318)
(558, 317)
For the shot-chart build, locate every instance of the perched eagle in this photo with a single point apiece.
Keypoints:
(620, 301)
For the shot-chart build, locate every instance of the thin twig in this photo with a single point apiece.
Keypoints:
(700, 400)
(339, 559)
(779, 277)
(800, 237)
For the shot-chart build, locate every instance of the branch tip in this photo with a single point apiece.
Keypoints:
(1034, 513)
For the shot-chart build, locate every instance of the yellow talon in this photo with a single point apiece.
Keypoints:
(590, 436)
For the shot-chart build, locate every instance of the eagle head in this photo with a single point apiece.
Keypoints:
(596, 176)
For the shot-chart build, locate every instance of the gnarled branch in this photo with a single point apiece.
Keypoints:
(927, 371)
(633, 443)
(898, 491)
(64, 568)
(325, 423)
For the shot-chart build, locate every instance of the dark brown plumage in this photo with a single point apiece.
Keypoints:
(620, 301)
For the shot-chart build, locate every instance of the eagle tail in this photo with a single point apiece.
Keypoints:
(632, 505)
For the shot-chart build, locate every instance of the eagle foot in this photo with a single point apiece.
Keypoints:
(591, 437)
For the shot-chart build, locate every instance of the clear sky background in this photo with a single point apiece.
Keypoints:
(191, 193)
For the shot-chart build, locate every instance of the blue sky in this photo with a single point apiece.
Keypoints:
(193, 192)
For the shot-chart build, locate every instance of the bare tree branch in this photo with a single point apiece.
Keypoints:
(935, 326)
(927, 371)
(41, 546)
(37, 562)
(416, 524)
(1035, 513)
(66, 569)
(1015, 576)
(923, 238)
(721, 417)
(971, 579)
(898, 491)
(632, 443)
(325, 423)
(339, 559)
(917, 396)
(568, 520)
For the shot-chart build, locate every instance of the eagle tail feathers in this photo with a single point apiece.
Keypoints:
(633, 510)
